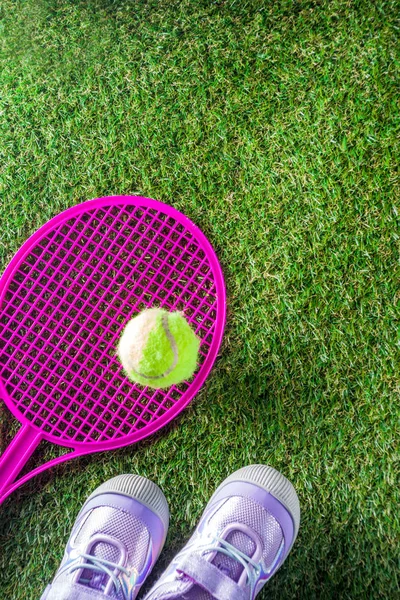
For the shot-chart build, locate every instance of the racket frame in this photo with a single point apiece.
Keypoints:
(29, 436)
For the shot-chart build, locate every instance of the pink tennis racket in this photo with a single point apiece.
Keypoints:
(64, 301)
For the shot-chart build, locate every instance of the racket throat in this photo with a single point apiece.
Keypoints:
(16, 455)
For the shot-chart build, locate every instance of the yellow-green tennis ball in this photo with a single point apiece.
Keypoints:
(158, 348)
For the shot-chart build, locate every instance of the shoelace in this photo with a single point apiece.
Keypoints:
(224, 547)
(100, 565)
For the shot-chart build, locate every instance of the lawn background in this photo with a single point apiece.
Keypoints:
(275, 127)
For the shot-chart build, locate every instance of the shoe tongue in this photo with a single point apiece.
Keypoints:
(228, 566)
(97, 581)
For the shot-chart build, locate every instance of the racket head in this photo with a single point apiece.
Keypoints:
(65, 298)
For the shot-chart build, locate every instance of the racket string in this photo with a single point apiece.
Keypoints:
(103, 354)
(192, 284)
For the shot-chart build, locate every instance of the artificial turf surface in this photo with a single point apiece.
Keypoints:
(274, 126)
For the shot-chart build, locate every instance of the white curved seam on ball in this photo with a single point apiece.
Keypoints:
(174, 347)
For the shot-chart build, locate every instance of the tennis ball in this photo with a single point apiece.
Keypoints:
(158, 348)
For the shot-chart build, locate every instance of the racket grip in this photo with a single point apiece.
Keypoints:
(17, 454)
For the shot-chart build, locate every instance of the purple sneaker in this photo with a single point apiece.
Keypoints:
(243, 537)
(114, 543)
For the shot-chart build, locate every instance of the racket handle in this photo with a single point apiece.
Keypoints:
(17, 454)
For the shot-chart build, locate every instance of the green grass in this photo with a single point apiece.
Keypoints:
(275, 127)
